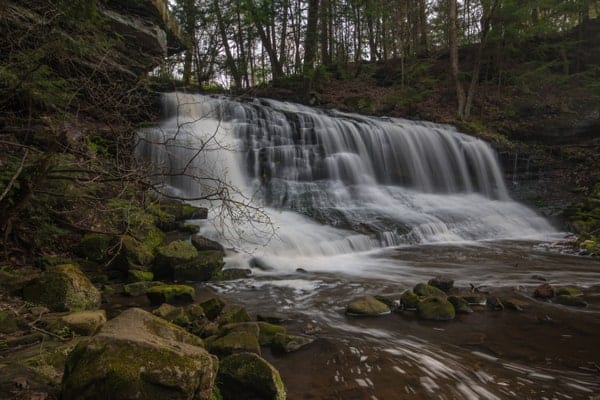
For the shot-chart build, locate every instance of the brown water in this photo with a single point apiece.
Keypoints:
(548, 351)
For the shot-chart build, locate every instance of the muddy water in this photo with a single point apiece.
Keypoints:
(548, 351)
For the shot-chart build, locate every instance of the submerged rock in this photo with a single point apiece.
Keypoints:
(514, 304)
(441, 282)
(231, 274)
(461, 306)
(568, 291)
(544, 291)
(284, 343)
(367, 306)
(173, 294)
(569, 300)
(248, 376)
(436, 308)
(63, 288)
(424, 290)
(139, 356)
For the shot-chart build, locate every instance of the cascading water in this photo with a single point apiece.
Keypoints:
(335, 183)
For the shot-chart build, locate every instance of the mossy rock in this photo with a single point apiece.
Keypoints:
(409, 300)
(436, 309)
(461, 306)
(443, 283)
(367, 306)
(473, 298)
(392, 301)
(202, 243)
(212, 307)
(96, 247)
(174, 253)
(85, 322)
(268, 331)
(197, 317)
(63, 288)
(572, 301)
(13, 281)
(284, 343)
(191, 229)
(172, 294)
(139, 356)
(231, 274)
(236, 341)
(248, 376)
(176, 315)
(425, 290)
(8, 322)
(138, 288)
(200, 269)
(140, 275)
(568, 291)
(133, 254)
(232, 313)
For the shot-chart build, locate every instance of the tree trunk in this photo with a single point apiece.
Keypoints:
(310, 42)
(237, 78)
(454, 71)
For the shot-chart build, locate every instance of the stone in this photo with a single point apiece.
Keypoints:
(176, 315)
(202, 243)
(285, 343)
(424, 290)
(171, 255)
(140, 275)
(133, 254)
(201, 269)
(543, 291)
(173, 294)
(212, 307)
(85, 322)
(96, 247)
(180, 261)
(409, 300)
(231, 274)
(367, 306)
(248, 376)
(514, 304)
(393, 302)
(235, 341)
(568, 291)
(461, 306)
(63, 288)
(436, 309)
(8, 322)
(441, 282)
(233, 313)
(473, 298)
(494, 303)
(139, 356)
(268, 331)
(138, 288)
(572, 301)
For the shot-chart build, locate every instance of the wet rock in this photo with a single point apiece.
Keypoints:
(424, 290)
(202, 243)
(272, 319)
(514, 304)
(301, 271)
(367, 306)
(235, 338)
(460, 305)
(212, 307)
(494, 303)
(63, 288)
(232, 313)
(543, 291)
(572, 301)
(175, 315)
(436, 309)
(473, 298)
(441, 282)
(248, 376)
(268, 331)
(231, 274)
(285, 343)
(139, 288)
(568, 291)
(85, 322)
(538, 278)
(139, 356)
(393, 302)
(169, 256)
(173, 294)
(409, 300)
(206, 265)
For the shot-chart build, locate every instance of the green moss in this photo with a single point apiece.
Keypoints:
(409, 300)
(568, 291)
(8, 322)
(96, 247)
(140, 275)
(473, 298)
(572, 301)
(172, 255)
(268, 331)
(134, 252)
(460, 305)
(212, 307)
(138, 288)
(234, 342)
(232, 313)
(200, 269)
(425, 290)
(231, 274)
(176, 315)
(171, 294)
(367, 306)
(436, 308)
(248, 376)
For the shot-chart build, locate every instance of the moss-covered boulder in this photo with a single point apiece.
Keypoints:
(247, 376)
(138, 288)
(367, 306)
(231, 274)
(202, 243)
(173, 294)
(436, 309)
(180, 261)
(461, 306)
(12, 281)
(202, 268)
(409, 300)
(170, 255)
(212, 307)
(268, 331)
(235, 338)
(139, 356)
(176, 315)
(96, 247)
(425, 290)
(138, 275)
(443, 283)
(568, 291)
(572, 301)
(473, 298)
(133, 254)
(284, 343)
(63, 288)
(85, 323)
(233, 313)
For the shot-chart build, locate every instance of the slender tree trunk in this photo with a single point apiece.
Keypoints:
(237, 78)
(454, 71)
(283, 39)
(325, 58)
(310, 42)
(423, 42)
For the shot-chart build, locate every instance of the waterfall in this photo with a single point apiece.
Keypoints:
(332, 182)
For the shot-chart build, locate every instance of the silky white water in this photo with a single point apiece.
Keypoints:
(332, 185)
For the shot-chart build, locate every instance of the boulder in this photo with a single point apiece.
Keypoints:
(268, 331)
(138, 288)
(460, 305)
(231, 274)
(202, 268)
(248, 376)
(212, 307)
(442, 282)
(235, 338)
(173, 294)
(96, 247)
(232, 313)
(85, 322)
(180, 261)
(63, 288)
(138, 275)
(139, 356)
(425, 290)
(202, 243)
(514, 304)
(173, 254)
(176, 315)
(409, 300)
(392, 301)
(367, 306)
(544, 291)
(436, 308)
(573, 301)
(473, 298)
(133, 254)
(285, 343)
